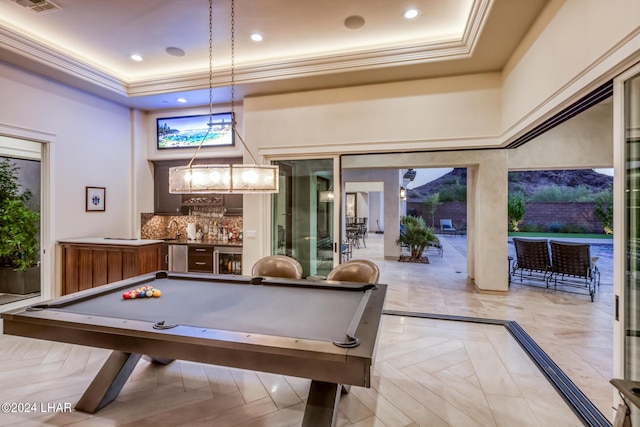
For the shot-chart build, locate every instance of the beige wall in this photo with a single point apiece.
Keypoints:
(575, 47)
(450, 112)
(585, 141)
(568, 52)
(391, 182)
(487, 225)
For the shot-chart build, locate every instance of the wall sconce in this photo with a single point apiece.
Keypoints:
(403, 193)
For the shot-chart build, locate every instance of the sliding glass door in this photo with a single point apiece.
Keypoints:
(632, 227)
(304, 219)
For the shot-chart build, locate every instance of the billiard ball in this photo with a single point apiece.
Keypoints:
(125, 295)
(156, 293)
(149, 293)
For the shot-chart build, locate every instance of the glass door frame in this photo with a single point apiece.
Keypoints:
(620, 220)
(45, 141)
(337, 201)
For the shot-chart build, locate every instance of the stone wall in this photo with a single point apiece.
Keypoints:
(546, 214)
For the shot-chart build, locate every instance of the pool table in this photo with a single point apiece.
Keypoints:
(322, 330)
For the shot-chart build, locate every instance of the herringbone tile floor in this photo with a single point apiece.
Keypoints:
(427, 373)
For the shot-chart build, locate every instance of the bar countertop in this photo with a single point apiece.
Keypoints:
(119, 241)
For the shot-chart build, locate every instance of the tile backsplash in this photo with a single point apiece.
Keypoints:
(162, 227)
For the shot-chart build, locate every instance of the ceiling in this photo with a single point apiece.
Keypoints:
(307, 45)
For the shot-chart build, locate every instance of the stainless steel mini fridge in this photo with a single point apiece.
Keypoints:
(228, 260)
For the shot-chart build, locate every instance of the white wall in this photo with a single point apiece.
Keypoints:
(376, 211)
(92, 148)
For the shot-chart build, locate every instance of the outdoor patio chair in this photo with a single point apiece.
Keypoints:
(572, 265)
(446, 227)
(533, 262)
(435, 246)
(346, 250)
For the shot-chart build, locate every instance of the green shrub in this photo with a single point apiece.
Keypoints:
(431, 205)
(554, 227)
(532, 228)
(19, 225)
(513, 177)
(516, 210)
(455, 192)
(603, 210)
(572, 228)
(554, 193)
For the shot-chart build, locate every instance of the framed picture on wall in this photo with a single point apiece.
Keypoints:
(95, 199)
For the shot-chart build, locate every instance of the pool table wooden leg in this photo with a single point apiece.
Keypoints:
(107, 384)
(322, 404)
(157, 360)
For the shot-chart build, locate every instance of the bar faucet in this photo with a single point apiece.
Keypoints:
(173, 221)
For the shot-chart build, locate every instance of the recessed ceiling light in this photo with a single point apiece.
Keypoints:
(354, 22)
(182, 100)
(411, 13)
(174, 51)
(136, 57)
(256, 37)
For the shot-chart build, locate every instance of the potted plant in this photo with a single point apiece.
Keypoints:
(415, 234)
(19, 231)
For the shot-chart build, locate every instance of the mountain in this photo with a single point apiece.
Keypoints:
(526, 181)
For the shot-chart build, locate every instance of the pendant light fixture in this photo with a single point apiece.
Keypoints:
(223, 178)
(327, 196)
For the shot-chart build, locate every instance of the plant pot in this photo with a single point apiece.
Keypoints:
(19, 282)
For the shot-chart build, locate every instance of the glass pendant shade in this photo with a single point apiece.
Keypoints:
(254, 178)
(203, 179)
(326, 196)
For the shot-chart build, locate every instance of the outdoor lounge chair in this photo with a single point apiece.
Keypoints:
(532, 260)
(446, 227)
(572, 265)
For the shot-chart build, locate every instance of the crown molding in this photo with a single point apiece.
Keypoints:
(62, 67)
(419, 54)
(46, 58)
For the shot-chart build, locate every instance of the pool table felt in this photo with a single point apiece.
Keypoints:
(296, 312)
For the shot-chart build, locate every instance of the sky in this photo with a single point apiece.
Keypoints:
(424, 176)
(427, 175)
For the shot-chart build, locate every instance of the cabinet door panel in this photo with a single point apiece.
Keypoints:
(100, 267)
(85, 269)
(114, 272)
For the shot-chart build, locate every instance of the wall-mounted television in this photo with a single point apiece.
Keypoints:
(188, 131)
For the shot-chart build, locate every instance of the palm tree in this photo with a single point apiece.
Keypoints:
(415, 234)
